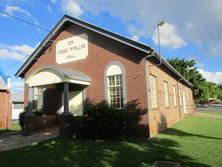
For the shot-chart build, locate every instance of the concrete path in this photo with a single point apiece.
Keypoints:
(13, 140)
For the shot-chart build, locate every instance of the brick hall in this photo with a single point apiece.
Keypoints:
(79, 61)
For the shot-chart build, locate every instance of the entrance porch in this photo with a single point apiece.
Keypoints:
(62, 98)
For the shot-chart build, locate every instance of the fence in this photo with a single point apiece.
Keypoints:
(12, 124)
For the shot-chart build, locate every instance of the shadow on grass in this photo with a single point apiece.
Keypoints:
(6, 131)
(180, 133)
(70, 153)
(79, 152)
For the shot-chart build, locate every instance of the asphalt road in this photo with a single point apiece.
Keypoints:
(209, 108)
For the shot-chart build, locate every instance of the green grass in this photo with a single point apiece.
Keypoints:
(192, 142)
(4, 131)
(15, 127)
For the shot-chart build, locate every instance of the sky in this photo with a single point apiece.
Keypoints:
(192, 29)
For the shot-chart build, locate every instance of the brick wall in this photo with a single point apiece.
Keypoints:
(103, 51)
(5, 109)
(161, 116)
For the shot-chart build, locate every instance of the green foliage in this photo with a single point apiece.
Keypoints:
(103, 121)
(202, 90)
(21, 118)
(22, 115)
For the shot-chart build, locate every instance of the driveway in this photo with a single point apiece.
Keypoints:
(13, 140)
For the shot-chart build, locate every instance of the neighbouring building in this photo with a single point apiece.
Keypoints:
(5, 105)
(17, 101)
(78, 61)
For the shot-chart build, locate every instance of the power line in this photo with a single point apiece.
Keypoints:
(24, 21)
(14, 64)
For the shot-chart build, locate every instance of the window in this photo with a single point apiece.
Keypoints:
(174, 96)
(180, 100)
(187, 94)
(165, 92)
(115, 91)
(39, 98)
(115, 85)
(153, 91)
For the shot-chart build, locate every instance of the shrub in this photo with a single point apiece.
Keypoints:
(102, 121)
(21, 118)
(22, 115)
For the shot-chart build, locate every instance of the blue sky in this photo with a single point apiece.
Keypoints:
(192, 28)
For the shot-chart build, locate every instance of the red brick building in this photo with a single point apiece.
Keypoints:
(5, 106)
(79, 61)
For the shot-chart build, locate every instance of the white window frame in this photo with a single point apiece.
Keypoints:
(174, 96)
(115, 68)
(117, 93)
(180, 98)
(39, 94)
(187, 91)
(153, 91)
(166, 94)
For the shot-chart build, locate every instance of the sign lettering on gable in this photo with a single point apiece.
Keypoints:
(72, 49)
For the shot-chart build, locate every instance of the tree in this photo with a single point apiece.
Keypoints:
(202, 90)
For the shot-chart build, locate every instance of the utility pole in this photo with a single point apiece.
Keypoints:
(160, 23)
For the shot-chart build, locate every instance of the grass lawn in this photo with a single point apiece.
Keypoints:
(4, 131)
(15, 127)
(192, 142)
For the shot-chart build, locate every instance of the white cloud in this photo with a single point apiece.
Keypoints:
(24, 49)
(215, 77)
(53, 1)
(189, 26)
(187, 16)
(136, 32)
(135, 38)
(71, 7)
(49, 8)
(168, 37)
(16, 52)
(215, 49)
(199, 64)
(16, 9)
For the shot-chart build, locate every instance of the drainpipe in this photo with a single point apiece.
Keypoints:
(5, 109)
(151, 54)
(146, 82)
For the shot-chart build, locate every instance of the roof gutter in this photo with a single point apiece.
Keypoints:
(162, 61)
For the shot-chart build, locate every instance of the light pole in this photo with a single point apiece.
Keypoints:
(160, 23)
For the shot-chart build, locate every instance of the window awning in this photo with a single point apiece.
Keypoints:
(49, 74)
